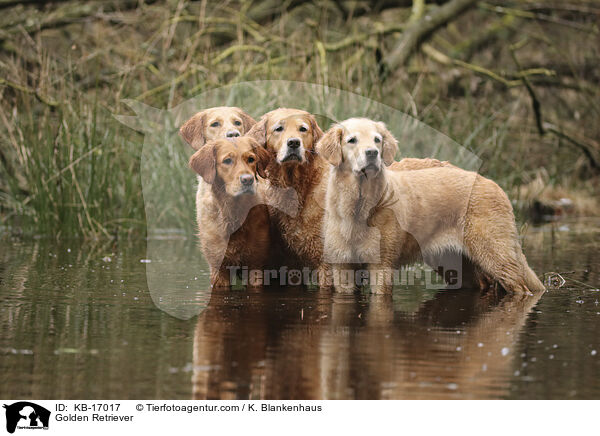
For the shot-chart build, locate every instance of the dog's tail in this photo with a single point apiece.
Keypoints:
(532, 282)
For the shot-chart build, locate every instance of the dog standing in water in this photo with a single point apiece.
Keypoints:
(234, 223)
(384, 219)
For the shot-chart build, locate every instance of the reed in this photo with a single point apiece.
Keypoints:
(69, 168)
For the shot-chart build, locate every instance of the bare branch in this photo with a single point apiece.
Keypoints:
(417, 31)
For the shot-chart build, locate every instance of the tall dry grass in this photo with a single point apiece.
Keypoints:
(67, 167)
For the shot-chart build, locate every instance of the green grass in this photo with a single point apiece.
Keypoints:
(68, 167)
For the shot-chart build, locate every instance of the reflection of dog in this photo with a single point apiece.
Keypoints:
(259, 348)
(388, 218)
(233, 226)
(26, 412)
(351, 346)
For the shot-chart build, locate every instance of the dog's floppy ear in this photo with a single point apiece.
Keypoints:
(263, 157)
(316, 130)
(247, 120)
(390, 145)
(330, 145)
(193, 130)
(258, 132)
(204, 162)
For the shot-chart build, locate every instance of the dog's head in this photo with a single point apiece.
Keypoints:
(216, 122)
(288, 134)
(359, 145)
(230, 164)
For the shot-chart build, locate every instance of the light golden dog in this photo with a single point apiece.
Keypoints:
(412, 163)
(234, 225)
(384, 219)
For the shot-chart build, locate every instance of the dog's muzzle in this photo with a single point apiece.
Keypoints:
(371, 154)
(293, 150)
(371, 162)
(247, 184)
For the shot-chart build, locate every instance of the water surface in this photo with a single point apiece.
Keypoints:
(78, 322)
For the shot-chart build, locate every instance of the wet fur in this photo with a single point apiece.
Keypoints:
(300, 233)
(394, 218)
(233, 229)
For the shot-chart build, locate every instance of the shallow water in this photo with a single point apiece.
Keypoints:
(78, 321)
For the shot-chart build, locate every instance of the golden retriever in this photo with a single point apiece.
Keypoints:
(213, 123)
(384, 219)
(289, 136)
(234, 225)
(209, 124)
(412, 163)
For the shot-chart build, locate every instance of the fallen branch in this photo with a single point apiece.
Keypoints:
(538, 16)
(379, 29)
(535, 103)
(70, 13)
(544, 127)
(236, 48)
(444, 59)
(417, 31)
(585, 145)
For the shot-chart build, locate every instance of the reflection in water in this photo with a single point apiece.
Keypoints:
(79, 321)
(460, 344)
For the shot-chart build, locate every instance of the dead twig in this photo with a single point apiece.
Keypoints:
(538, 16)
(417, 31)
(28, 90)
(544, 127)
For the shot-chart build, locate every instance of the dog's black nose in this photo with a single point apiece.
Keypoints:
(293, 143)
(371, 153)
(247, 179)
(232, 133)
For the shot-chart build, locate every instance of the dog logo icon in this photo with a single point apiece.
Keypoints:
(26, 415)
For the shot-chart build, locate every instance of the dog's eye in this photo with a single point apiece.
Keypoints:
(251, 159)
(215, 124)
(279, 129)
(237, 123)
(228, 161)
(377, 139)
(303, 129)
(352, 141)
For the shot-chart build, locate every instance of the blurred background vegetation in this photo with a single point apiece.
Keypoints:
(515, 81)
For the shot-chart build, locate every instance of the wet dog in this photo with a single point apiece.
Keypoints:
(234, 224)
(294, 173)
(384, 219)
(213, 123)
